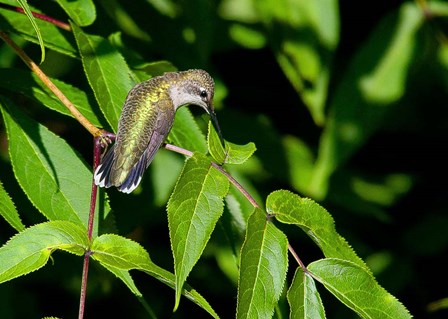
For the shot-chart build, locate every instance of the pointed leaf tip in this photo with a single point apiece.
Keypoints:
(29, 14)
(357, 289)
(9, 211)
(316, 222)
(30, 249)
(193, 211)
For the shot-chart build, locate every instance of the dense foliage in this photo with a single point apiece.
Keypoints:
(330, 199)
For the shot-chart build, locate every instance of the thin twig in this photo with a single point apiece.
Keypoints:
(87, 253)
(47, 82)
(37, 15)
(232, 180)
(178, 149)
(85, 272)
(238, 186)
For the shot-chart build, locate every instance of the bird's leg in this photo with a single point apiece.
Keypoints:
(99, 146)
(101, 142)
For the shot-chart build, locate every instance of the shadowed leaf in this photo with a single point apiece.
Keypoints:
(9, 211)
(107, 73)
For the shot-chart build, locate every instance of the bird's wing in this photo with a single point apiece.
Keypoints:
(138, 142)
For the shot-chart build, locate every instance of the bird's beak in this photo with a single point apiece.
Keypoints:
(217, 129)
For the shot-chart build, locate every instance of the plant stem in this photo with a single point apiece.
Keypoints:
(87, 253)
(85, 272)
(40, 16)
(178, 149)
(47, 82)
(100, 137)
(98, 143)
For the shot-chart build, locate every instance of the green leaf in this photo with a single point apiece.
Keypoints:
(119, 252)
(30, 249)
(303, 297)
(304, 36)
(247, 36)
(186, 133)
(119, 255)
(315, 221)
(193, 211)
(28, 84)
(263, 266)
(147, 70)
(82, 12)
(118, 12)
(375, 80)
(50, 172)
(9, 211)
(125, 277)
(233, 154)
(55, 38)
(357, 289)
(29, 14)
(164, 172)
(300, 162)
(107, 73)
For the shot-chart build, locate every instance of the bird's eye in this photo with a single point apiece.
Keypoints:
(203, 93)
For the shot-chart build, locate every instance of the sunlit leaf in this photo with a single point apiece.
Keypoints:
(119, 252)
(357, 289)
(30, 249)
(263, 268)
(303, 297)
(193, 211)
(119, 255)
(315, 221)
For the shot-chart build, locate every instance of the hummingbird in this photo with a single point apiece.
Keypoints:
(145, 121)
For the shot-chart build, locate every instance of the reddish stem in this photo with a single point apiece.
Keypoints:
(85, 272)
(99, 143)
(40, 16)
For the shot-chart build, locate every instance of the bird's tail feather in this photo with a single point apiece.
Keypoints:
(102, 172)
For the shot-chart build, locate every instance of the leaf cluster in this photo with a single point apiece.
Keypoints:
(210, 227)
